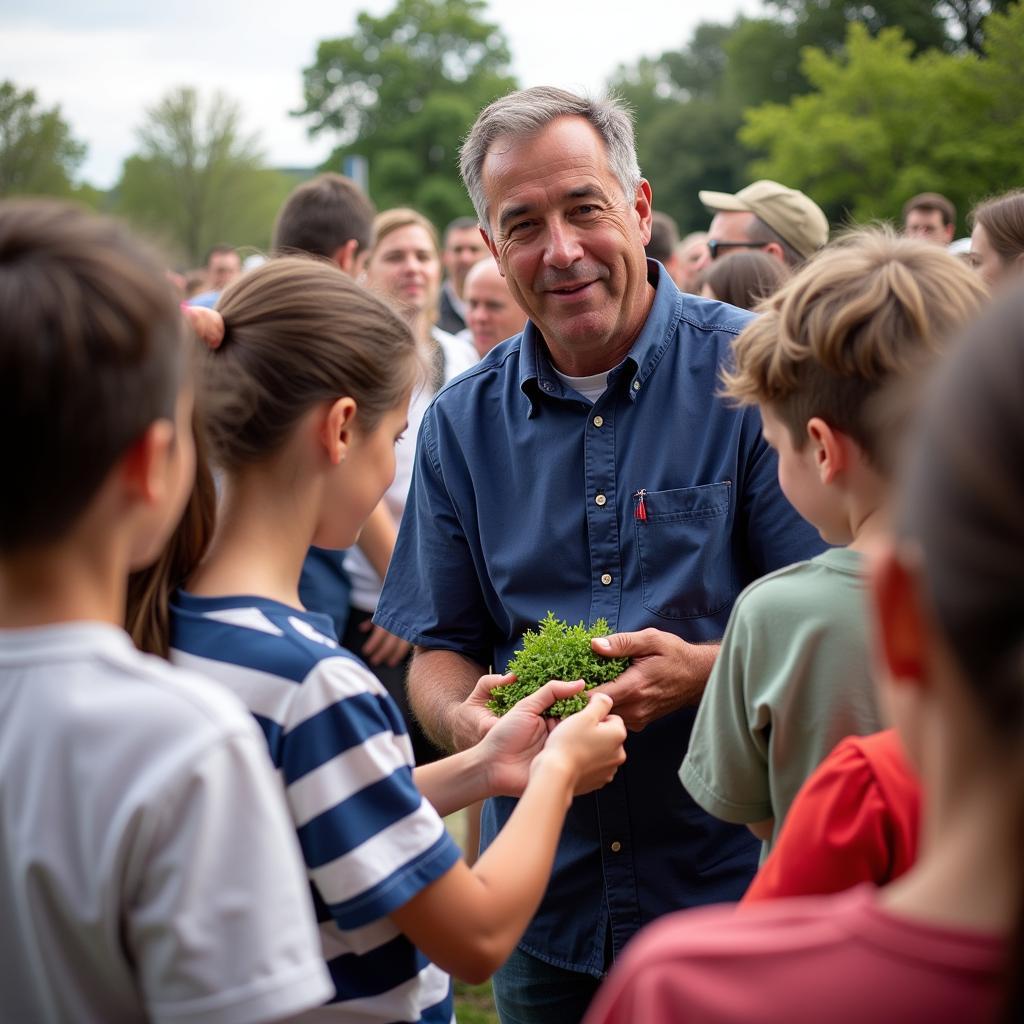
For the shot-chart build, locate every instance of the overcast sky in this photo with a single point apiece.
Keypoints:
(105, 61)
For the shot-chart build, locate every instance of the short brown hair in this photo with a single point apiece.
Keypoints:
(664, 237)
(1002, 217)
(93, 353)
(931, 201)
(745, 278)
(863, 312)
(321, 215)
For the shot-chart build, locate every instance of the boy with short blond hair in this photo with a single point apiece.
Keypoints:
(793, 675)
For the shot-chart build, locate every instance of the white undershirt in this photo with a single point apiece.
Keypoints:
(591, 388)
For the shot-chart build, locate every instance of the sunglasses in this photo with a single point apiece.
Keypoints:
(715, 247)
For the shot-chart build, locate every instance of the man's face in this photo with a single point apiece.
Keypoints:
(569, 244)
(462, 248)
(927, 225)
(222, 269)
(733, 229)
(491, 313)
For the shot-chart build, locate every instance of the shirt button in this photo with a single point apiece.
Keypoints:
(600, 500)
(606, 578)
(616, 846)
(636, 385)
(598, 421)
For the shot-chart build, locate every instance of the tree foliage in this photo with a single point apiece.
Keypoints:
(882, 124)
(198, 179)
(691, 102)
(687, 120)
(38, 154)
(402, 91)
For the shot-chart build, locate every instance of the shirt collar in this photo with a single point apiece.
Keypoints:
(537, 377)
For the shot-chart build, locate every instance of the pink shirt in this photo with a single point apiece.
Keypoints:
(841, 959)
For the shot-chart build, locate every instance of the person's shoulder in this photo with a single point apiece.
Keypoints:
(491, 372)
(765, 930)
(806, 588)
(705, 331)
(709, 316)
(778, 591)
(180, 699)
(274, 640)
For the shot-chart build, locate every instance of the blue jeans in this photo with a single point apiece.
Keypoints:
(529, 991)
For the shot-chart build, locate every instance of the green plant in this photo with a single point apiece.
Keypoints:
(556, 650)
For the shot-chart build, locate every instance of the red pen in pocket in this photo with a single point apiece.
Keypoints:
(641, 506)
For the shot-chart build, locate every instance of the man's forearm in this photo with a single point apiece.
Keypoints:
(704, 662)
(439, 681)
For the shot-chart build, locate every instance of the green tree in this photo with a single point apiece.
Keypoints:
(402, 91)
(690, 102)
(198, 179)
(881, 123)
(687, 119)
(37, 152)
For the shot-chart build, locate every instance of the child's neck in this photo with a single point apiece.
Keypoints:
(868, 526)
(63, 582)
(263, 534)
(968, 870)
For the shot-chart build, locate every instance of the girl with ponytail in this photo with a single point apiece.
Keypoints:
(303, 397)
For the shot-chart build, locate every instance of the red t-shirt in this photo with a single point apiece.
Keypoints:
(854, 820)
(841, 959)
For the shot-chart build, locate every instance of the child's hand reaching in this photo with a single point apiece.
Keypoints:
(516, 738)
(588, 744)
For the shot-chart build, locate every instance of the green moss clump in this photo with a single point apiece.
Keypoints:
(556, 650)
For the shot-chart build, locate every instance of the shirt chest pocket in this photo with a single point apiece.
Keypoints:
(684, 551)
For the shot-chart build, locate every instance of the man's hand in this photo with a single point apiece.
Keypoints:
(470, 721)
(665, 674)
(516, 738)
(382, 647)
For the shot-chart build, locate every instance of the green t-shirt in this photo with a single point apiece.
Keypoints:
(793, 678)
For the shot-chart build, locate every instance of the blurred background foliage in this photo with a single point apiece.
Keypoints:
(859, 104)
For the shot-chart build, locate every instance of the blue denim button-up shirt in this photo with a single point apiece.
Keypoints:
(524, 499)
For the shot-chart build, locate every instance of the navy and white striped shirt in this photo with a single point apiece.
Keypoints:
(370, 841)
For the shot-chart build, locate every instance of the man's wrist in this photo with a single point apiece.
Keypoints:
(700, 660)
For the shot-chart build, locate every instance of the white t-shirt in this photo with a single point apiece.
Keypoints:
(459, 355)
(148, 867)
(591, 387)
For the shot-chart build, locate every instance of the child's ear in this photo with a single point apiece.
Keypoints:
(143, 466)
(829, 448)
(345, 257)
(337, 429)
(901, 628)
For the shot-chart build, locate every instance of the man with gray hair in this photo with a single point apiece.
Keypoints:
(588, 467)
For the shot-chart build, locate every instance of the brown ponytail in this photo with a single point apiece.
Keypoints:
(147, 615)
